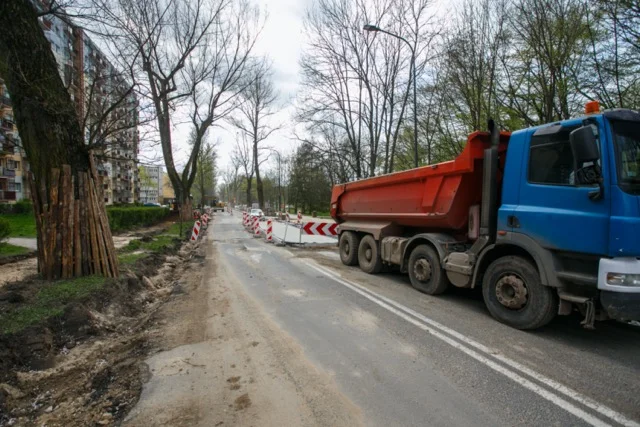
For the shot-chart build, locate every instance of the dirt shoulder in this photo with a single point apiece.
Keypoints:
(225, 362)
(70, 351)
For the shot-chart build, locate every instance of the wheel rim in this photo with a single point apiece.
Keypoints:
(368, 254)
(346, 248)
(511, 292)
(422, 270)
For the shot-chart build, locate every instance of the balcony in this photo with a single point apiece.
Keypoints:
(7, 195)
(9, 173)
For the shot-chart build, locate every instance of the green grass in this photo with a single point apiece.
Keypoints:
(7, 249)
(22, 225)
(158, 243)
(50, 301)
(130, 258)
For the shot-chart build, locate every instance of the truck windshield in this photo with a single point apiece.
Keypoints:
(627, 143)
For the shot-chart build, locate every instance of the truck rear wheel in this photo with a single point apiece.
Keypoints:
(369, 255)
(349, 243)
(514, 295)
(426, 272)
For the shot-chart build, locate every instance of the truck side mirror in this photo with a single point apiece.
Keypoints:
(584, 146)
(585, 150)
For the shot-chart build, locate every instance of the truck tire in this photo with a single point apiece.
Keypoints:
(515, 296)
(426, 272)
(349, 245)
(369, 255)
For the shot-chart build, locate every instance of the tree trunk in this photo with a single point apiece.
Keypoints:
(259, 188)
(249, 180)
(74, 238)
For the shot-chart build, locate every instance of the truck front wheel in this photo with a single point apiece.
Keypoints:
(426, 272)
(514, 295)
(349, 243)
(369, 255)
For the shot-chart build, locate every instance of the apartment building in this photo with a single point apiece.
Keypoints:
(94, 85)
(168, 194)
(150, 178)
(13, 186)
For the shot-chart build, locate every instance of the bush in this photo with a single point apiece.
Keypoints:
(5, 229)
(23, 207)
(121, 218)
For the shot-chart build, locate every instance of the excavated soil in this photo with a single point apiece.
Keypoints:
(84, 367)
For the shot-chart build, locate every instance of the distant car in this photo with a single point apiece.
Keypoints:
(258, 213)
(152, 204)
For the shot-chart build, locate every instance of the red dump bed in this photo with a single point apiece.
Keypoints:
(430, 197)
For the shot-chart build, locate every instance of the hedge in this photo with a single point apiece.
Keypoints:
(124, 218)
(21, 207)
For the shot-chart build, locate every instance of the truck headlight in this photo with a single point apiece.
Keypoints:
(623, 279)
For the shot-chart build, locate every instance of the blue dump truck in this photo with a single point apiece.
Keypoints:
(546, 220)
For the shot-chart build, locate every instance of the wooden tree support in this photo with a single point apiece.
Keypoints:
(74, 237)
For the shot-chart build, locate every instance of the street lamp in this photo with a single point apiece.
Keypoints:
(374, 28)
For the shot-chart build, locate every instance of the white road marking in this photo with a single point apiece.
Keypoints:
(438, 330)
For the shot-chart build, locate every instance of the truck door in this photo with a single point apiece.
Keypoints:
(553, 209)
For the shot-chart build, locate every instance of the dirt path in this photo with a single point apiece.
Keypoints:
(227, 363)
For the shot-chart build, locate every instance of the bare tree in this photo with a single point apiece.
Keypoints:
(206, 173)
(548, 43)
(188, 52)
(361, 82)
(243, 157)
(254, 114)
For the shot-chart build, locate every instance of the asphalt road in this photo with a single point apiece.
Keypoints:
(406, 358)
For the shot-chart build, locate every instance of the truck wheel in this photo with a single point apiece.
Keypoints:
(369, 255)
(349, 242)
(426, 272)
(514, 295)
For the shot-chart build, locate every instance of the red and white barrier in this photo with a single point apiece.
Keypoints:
(299, 217)
(256, 226)
(205, 219)
(244, 218)
(269, 231)
(196, 230)
(320, 228)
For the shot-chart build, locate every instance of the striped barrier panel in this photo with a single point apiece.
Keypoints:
(320, 228)
(256, 226)
(269, 231)
(196, 231)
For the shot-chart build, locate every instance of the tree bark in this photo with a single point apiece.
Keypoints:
(74, 238)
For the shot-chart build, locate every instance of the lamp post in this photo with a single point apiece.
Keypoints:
(374, 28)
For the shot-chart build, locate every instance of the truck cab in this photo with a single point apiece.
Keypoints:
(579, 222)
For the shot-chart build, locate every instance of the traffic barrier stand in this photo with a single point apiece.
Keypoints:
(196, 231)
(320, 229)
(205, 220)
(269, 231)
(244, 218)
(256, 227)
(299, 217)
